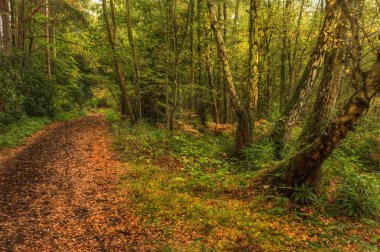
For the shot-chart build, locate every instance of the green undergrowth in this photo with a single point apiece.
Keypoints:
(193, 197)
(16, 133)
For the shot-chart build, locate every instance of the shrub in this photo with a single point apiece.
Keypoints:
(358, 195)
(10, 99)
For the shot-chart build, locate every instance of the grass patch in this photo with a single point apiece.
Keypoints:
(16, 133)
(70, 115)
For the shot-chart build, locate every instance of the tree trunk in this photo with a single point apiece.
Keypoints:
(290, 117)
(292, 70)
(214, 107)
(245, 121)
(253, 72)
(126, 109)
(305, 166)
(328, 88)
(222, 50)
(6, 42)
(47, 38)
(245, 127)
(192, 61)
(136, 78)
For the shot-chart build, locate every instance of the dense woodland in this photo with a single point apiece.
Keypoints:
(284, 93)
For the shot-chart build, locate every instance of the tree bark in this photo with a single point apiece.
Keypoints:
(305, 166)
(328, 88)
(222, 50)
(214, 107)
(47, 38)
(244, 132)
(136, 78)
(6, 26)
(253, 72)
(126, 109)
(290, 117)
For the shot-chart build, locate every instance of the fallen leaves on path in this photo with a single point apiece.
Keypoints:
(60, 193)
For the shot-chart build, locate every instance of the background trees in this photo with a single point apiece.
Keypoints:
(43, 58)
(295, 64)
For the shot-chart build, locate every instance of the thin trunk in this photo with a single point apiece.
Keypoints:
(292, 70)
(21, 29)
(192, 61)
(283, 79)
(136, 78)
(6, 26)
(222, 50)
(47, 38)
(126, 109)
(236, 14)
(226, 101)
(13, 22)
(245, 120)
(214, 107)
(177, 47)
(263, 107)
(201, 110)
(253, 72)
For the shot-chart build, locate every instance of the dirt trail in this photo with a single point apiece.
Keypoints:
(60, 192)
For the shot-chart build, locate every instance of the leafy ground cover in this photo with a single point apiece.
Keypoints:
(186, 188)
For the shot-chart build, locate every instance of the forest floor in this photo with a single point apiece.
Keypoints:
(92, 185)
(59, 192)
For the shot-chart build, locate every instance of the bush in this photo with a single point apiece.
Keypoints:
(11, 102)
(39, 92)
(358, 195)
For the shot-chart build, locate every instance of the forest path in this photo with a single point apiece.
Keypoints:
(59, 192)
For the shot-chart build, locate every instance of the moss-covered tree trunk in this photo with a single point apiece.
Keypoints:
(246, 109)
(328, 88)
(290, 116)
(305, 166)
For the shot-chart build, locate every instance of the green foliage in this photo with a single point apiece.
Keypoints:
(303, 194)
(38, 91)
(112, 116)
(259, 155)
(69, 115)
(11, 101)
(26, 89)
(16, 133)
(358, 195)
(195, 190)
